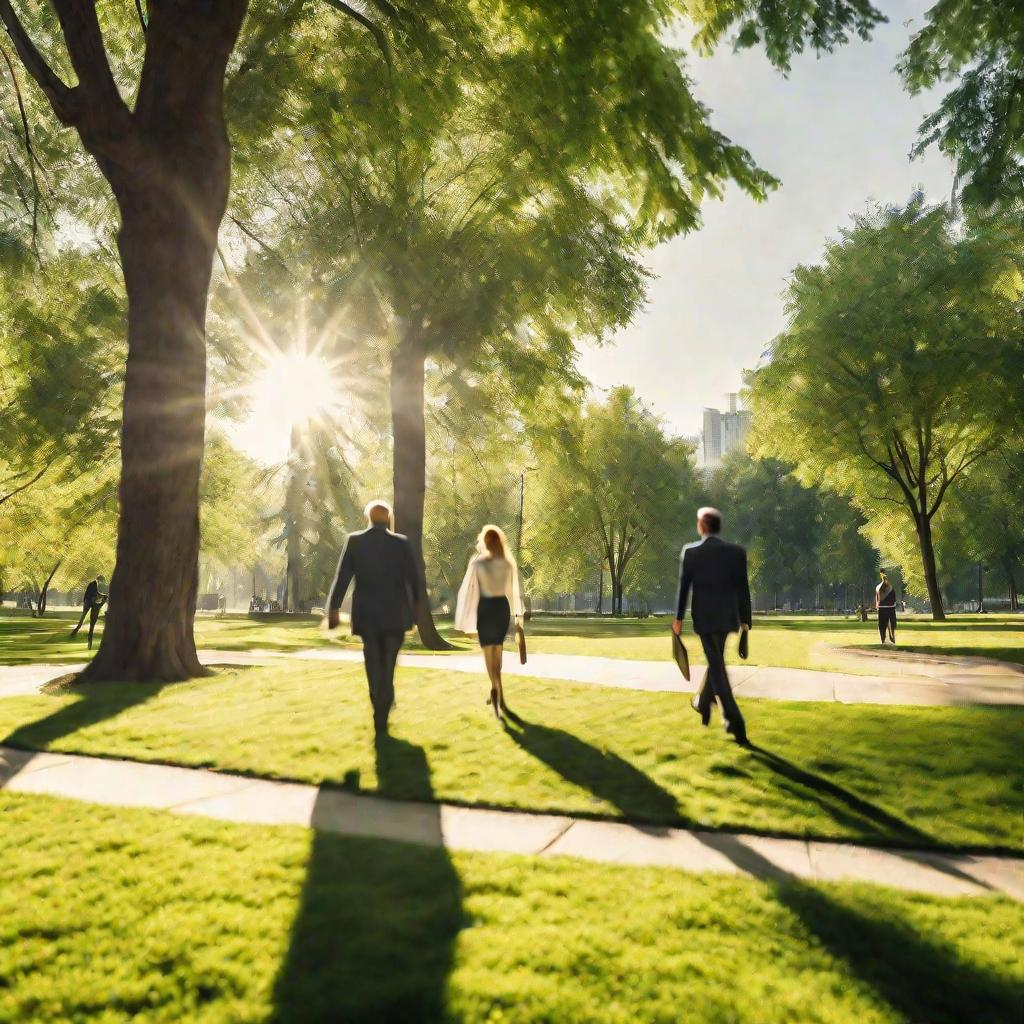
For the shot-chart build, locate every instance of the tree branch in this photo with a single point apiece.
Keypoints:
(25, 486)
(63, 100)
(904, 453)
(948, 478)
(142, 16)
(84, 40)
(269, 250)
(28, 150)
(374, 29)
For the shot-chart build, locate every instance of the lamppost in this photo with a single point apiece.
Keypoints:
(981, 592)
(522, 497)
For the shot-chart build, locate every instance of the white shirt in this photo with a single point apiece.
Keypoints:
(486, 577)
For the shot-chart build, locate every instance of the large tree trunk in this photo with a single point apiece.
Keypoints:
(408, 424)
(170, 178)
(1011, 580)
(931, 576)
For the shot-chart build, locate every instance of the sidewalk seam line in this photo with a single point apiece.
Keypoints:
(547, 846)
(214, 796)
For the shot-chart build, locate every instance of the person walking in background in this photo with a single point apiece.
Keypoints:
(490, 596)
(387, 586)
(885, 604)
(716, 573)
(93, 600)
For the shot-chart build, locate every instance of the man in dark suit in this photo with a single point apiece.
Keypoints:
(92, 602)
(387, 586)
(716, 572)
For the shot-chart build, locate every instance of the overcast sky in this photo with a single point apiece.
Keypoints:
(837, 132)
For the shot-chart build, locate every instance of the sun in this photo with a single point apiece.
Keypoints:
(289, 390)
(297, 386)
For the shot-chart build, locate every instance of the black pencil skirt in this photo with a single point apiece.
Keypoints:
(493, 617)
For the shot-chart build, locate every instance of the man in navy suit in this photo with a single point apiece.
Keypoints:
(387, 586)
(716, 573)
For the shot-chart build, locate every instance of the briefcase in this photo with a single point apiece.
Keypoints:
(521, 643)
(680, 655)
(744, 643)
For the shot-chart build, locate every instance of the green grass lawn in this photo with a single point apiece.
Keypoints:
(789, 641)
(884, 775)
(110, 915)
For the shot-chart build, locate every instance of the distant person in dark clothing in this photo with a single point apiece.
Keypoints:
(885, 603)
(387, 586)
(716, 572)
(92, 602)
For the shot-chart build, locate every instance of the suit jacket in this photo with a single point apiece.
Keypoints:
(716, 572)
(386, 578)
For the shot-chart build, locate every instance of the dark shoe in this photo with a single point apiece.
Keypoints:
(705, 716)
(739, 735)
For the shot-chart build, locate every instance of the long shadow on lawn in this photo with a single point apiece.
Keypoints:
(374, 937)
(605, 774)
(97, 703)
(834, 798)
(923, 980)
(886, 826)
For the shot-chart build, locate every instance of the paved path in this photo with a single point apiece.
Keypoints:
(238, 799)
(938, 682)
(998, 684)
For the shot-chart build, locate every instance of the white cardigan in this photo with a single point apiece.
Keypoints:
(487, 577)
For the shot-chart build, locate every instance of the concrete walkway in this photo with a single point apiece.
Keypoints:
(938, 682)
(1001, 684)
(263, 802)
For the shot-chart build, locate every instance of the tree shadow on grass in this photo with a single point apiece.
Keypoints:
(923, 979)
(374, 936)
(98, 702)
(606, 775)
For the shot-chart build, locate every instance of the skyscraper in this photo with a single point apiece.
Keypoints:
(723, 431)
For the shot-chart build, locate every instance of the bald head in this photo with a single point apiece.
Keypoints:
(378, 512)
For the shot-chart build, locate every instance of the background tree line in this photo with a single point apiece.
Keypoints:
(377, 173)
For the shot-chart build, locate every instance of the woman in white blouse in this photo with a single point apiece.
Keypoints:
(488, 599)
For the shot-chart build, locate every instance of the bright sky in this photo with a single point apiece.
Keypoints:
(837, 133)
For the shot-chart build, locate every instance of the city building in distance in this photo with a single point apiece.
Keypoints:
(723, 431)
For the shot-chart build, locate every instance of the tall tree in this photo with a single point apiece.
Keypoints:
(612, 480)
(900, 363)
(166, 161)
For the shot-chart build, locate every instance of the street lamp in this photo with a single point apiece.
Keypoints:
(522, 496)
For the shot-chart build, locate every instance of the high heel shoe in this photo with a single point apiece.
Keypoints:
(493, 701)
